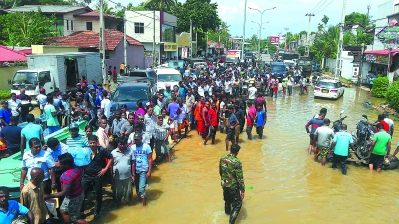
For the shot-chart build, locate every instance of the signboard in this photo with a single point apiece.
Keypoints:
(352, 48)
(388, 34)
(184, 52)
(371, 57)
(274, 39)
(382, 59)
(170, 46)
(234, 53)
(218, 45)
(355, 73)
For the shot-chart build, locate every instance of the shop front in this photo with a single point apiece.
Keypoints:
(382, 62)
(168, 51)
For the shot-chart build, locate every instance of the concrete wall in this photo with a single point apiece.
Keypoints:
(346, 62)
(384, 10)
(135, 56)
(7, 73)
(145, 17)
(76, 25)
(43, 49)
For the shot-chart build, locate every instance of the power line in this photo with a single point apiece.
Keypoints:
(325, 7)
(321, 5)
(316, 6)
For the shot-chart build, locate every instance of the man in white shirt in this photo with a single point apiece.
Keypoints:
(105, 105)
(389, 122)
(201, 89)
(13, 104)
(290, 84)
(252, 92)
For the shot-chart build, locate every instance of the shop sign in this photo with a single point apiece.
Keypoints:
(382, 59)
(274, 39)
(170, 47)
(184, 52)
(371, 57)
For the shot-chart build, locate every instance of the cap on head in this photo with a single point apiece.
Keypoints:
(167, 85)
(73, 126)
(42, 90)
(137, 136)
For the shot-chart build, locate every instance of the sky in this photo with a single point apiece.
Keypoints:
(287, 14)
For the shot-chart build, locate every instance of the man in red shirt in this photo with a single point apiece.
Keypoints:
(213, 118)
(260, 100)
(381, 121)
(250, 119)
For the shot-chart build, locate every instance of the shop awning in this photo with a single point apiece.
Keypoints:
(384, 52)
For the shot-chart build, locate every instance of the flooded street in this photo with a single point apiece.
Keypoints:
(284, 184)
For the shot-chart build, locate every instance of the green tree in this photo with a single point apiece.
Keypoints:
(357, 18)
(203, 14)
(106, 8)
(25, 29)
(160, 5)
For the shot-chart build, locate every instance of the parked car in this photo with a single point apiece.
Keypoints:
(129, 93)
(329, 88)
(167, 76)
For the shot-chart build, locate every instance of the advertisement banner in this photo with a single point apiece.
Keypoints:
(184, 52)
(274, 39)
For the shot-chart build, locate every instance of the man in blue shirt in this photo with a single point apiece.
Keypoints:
(10, 209)
(342, 141)
(31, 130)
(260, 119)
(12, 134)
(5, 114)
(232, 123)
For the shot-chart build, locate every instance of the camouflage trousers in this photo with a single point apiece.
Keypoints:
(232, 203)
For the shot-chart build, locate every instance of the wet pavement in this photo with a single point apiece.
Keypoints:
(284, 184)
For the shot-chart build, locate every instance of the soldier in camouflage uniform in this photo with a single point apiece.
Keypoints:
(230, 171)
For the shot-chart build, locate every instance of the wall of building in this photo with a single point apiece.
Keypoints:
(145, 17)
(6, 74)
(135, 56)
(43, 49)
(68, 17)
(384, 10)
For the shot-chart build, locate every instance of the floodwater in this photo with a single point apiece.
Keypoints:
(287, 185)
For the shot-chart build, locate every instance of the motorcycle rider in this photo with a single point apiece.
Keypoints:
(381, 147)
(340, 145)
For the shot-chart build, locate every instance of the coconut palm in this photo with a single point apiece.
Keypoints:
(160, 5)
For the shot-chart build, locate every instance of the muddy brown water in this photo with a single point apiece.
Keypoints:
(287, 185)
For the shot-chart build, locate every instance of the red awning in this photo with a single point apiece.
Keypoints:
(384, 52)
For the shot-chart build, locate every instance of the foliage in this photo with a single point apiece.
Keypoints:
(107, 9)
(5, 94)
(204, 16)
(222, 31)
(25, 29)
(357, 18)
(392, 95)
(380, 86)
(161, 5)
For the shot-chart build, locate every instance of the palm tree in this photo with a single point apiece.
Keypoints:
(106, 8)
(160, 5)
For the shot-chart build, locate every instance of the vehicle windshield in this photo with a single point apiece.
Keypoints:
(289, 64)
(278, 68)
(130, 93)
(229, 59)
(169, 78)
(25, 78)
(327, 84)
(249, 54)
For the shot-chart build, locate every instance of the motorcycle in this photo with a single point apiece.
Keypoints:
(337, 124)
(362, 140)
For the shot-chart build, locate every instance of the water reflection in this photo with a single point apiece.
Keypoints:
(287, 186)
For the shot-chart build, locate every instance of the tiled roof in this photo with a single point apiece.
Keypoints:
(90, 39)
(10, 55)
(96, 14)
(57, 9)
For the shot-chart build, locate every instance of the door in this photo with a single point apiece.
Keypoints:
(46, 81)
(71, 72)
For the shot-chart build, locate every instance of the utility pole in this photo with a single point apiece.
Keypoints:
(261, 23)
(286, 37)
(124, 40)
(368, 10)
(341, 37)
(206, 53)
(191, 38)
(307, 34)
(102, 42)
(153, 38)
(278, 49)
(243, 32)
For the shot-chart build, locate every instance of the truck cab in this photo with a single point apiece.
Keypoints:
(32, 81)
(278, 69)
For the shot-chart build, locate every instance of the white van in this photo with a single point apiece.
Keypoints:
(167, 75)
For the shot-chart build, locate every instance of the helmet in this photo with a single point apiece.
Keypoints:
(73, 126)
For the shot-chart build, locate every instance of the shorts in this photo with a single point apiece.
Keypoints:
(249, 130)
(173, 124)
(230, 136)
(161, 147)
(237, 130)
(211, 132)
(323, 152)
(72, 207)
(183, 125)
(377, 160)
(311, 137)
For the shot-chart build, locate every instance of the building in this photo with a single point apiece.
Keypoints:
(381, 57)
(71, 19)
(89, 41)
(183, 45)
(154, 28)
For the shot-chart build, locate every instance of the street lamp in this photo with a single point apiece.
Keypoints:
(261, 19)
(260, 28)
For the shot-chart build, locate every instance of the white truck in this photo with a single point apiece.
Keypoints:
(56, 70)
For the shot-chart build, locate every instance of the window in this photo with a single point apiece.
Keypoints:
(396, 8)
(168, 33)
(89, 26)
(71, 25)
(138, 27)
(67, 24)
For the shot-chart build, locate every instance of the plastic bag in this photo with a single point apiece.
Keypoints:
(51, 205)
